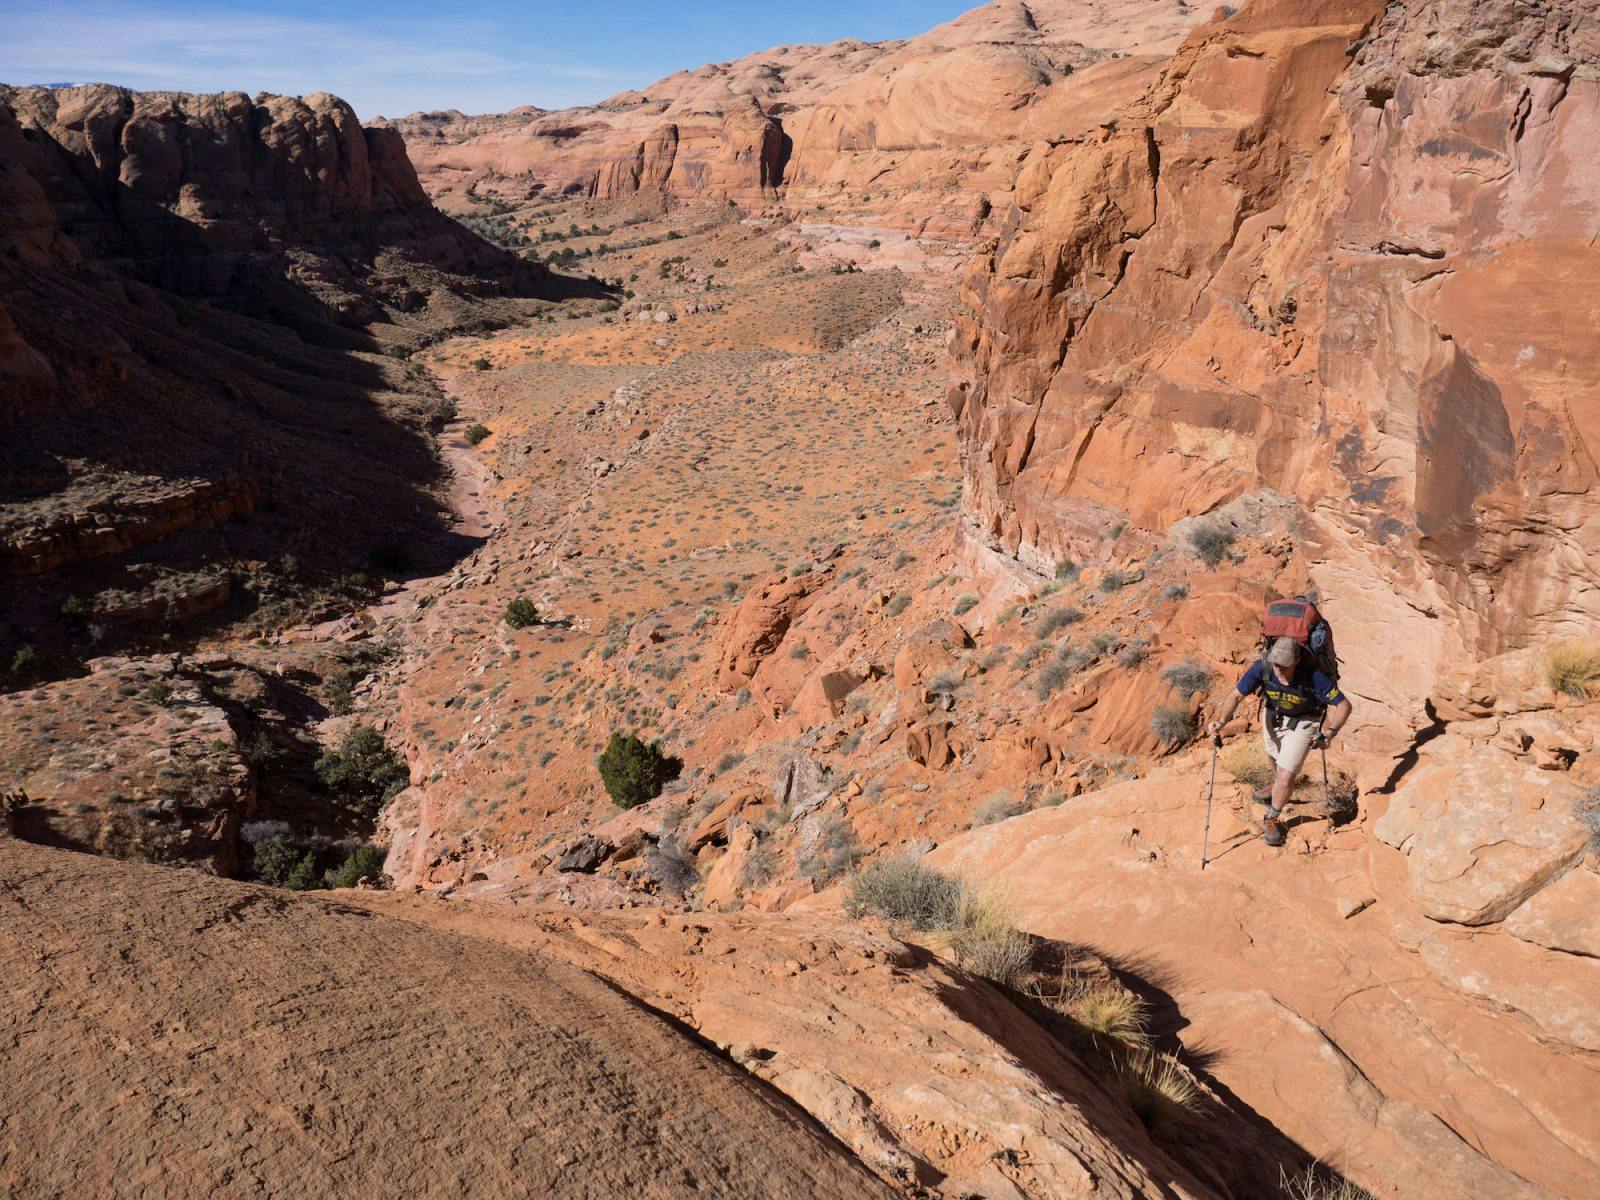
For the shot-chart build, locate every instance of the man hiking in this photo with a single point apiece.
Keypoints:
(1298, 699)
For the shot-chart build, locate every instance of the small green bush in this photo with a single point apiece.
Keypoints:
(363, 768)
(475, 433)
(337, 691)
(965, 604)
(26, 662)
(1114, 581)
(76, 608)
(364, 862)
(898, 605)
(1052, 677)
(280, 863)
(480, 364)
(1175, 591)
(1053, 619)
(1067, 570)
(1133, 654)
(522, 613)
(635, 772)
(1211, 542)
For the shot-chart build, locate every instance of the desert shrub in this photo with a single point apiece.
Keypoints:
(728, 762)
(279, 863)
(1052, 677)
(1114, 581)
(903, 559)
(521, 613)
(834, 851)
(1172, 725)
(945, 682)
(898, 605)
(1248, 763)
(363, 768)
(965, 604)
(1066, 570)
(76, 608)
(671, 866)
(337, 691)
(475, 433)
(27, 662)
(364, 862)
(1134, 653)
(800, 651)
(480, 364)
(1158, 1091)
(996, 808)
(986, 939)
(634, 771)
(874, 244)
(759, 867)
(1175, 591)
(442, 412)
(1587, 809)
(905, 892)
(1573, 668)
(1188, 677)
(259, 750)
(1054, 619)
(1318, 1182)
(1211, 542)
(1102, 644)
(158, 693)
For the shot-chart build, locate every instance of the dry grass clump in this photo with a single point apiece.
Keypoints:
(1159, 1091)
(1573, 668)
(1102, 1010)
(977, 923)
(1248, 763)
(1317, 1182)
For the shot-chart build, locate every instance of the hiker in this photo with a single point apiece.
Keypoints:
(1299, 698)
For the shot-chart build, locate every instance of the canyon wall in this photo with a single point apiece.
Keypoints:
(1338, 252)
(942, 116)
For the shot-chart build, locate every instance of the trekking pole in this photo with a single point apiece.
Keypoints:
(1211, 788)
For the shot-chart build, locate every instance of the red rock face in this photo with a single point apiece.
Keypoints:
(1340, 253)
(939, 117)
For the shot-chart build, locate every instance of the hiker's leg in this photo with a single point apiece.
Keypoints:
(1294, 744)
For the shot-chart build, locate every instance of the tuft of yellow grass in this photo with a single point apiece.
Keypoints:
(985, 936)
(1317, 1182)
(1158, 1090)
(1248, 763)
(1573, 668)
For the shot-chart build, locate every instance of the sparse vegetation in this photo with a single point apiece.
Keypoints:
(1158, 1090)
(1175, 591)
(1052, 677)
(964, 605)
(364, 862)
(337, 691)
(996, 808)
(1211, 542)
(1114, 581)
(635, 772)
(1188, 677)
(1172, 726)
(1248, 763)
(77, 609)
(1102, 1011)
(976, 922)
(1054, 619)
(521, 613)
(1587, 809)
(279, 863)
(1133, 654)
(363, 768)
(27, 662)
(671, 866)
(898, 605)
(1573, 669)
(834, 851)
(475, 433)
(1066, 570)
(1318, 1182)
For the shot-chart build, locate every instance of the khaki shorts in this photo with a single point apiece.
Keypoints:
(1287, 742)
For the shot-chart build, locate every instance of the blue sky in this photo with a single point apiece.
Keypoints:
(391, 57)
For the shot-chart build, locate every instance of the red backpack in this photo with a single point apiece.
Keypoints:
(1300, 620)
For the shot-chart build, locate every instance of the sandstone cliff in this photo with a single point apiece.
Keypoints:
(1334, 253)
(934, 122)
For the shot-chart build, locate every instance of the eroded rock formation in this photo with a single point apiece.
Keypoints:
(1333, 253)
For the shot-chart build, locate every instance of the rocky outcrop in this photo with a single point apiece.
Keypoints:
(1334, 253)
(483, 1070)
(933, 125)
(202, 195)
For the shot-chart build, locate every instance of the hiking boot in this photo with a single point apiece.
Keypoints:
(1273, 831)
(1262, 796)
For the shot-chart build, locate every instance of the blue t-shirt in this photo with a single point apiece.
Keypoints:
(1305, 695)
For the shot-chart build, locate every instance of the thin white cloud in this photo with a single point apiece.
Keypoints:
(403, 66)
